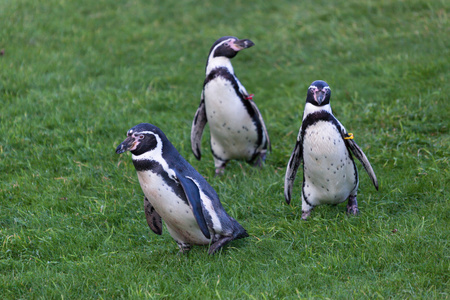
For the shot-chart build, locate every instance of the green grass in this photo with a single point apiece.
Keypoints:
(76, 75)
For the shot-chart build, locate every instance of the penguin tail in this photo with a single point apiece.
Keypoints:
(240, 232)
(237, 231)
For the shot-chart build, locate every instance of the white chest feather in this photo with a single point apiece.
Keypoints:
(233, 133)
(178, 216)
(328, 170)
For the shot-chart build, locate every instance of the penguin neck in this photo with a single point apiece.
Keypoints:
(156, 155)
(219, 62)
(309, 109)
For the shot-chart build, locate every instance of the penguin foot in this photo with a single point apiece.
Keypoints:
(219, 171)
(352, 205)
(219, 244)
(305, 214)
(259, 160)
(184, 247)
(220, 166)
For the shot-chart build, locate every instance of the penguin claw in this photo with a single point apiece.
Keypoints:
(352, 206)
(184, 248)
(352, 210)
(219, 171)
(260, 159)
(305, 214)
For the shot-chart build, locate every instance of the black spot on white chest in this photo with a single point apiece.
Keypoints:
(322, 140)
(221, 98)
(325, 156)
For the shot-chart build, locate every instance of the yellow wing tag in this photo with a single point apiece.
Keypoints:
(349, 136)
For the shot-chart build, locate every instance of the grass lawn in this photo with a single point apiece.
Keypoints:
(76, 75)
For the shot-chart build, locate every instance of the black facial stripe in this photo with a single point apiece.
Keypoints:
(219, 41)
(225, 50)
(310, 98)
(319, 85)
(221, 50)
(147, 144)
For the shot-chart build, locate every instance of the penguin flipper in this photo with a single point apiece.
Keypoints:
(255, 108)
(192, 193)
(197, 129)
(154, 220)
(292, 167)
(359, 154)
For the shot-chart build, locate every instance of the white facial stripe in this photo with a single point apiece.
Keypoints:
(220, 44)
(156, 155)
(214, 62)
(327, 88)
(146, 132)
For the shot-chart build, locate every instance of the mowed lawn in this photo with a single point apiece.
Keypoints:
(76, 75)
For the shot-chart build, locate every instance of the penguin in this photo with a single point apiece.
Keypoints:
(330, 175)
(177, 194)
(237, 129)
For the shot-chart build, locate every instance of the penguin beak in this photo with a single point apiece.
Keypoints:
(319, 96)
(239, 45)
(127, 145)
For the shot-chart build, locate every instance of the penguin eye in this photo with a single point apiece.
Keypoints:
(141, 136)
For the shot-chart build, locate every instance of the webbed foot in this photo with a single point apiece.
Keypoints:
(305, 214)
(184, 247)
(352, 205)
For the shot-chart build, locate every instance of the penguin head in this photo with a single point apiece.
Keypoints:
(319, 93)
(229, 46)
(142, 138)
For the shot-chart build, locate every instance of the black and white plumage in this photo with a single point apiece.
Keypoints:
(176, 193)
(330, 175)
(236, 126)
